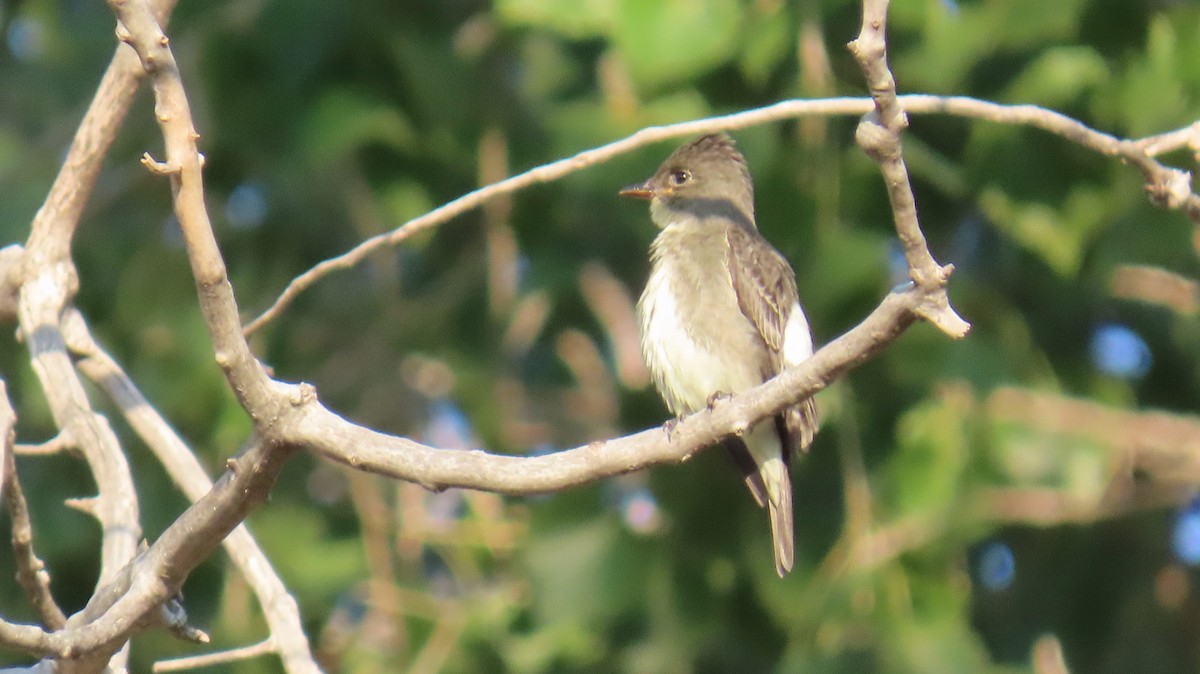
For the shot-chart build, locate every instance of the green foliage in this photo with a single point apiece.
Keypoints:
(326, 123)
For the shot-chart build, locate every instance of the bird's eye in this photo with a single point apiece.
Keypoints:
(680, 177)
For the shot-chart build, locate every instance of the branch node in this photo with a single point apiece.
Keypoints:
(158, 168)
(123, 34)
(303, 394)
(86, 505)
(874, 138)
(741, 427)
(936, 309)
(175, 616)
(1172, 190)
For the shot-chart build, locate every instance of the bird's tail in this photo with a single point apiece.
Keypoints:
(775, 476)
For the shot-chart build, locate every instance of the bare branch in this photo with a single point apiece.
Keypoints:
(61, 442)
(549, 173)
(210, 659)
(38, 283)
(31, 571)
(183, 164)
(1155, 285)
(43, 297)
(314, 426)
(128, 603)
(959, 106)
(879, 136)
(1165, 446)
(279, 608)
(1188, 136)
(54, 225)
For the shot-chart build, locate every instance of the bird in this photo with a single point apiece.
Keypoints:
(720, 314)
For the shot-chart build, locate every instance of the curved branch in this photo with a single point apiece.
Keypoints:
(31, 571)
(959, 106)
(43, 297)
(402, 458)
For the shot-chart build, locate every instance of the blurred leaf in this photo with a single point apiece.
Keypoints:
(345, 120)
(581, 19)
(1152, 99)
(665, 41)
(768, 39)
(924, 475)
(1056, 235)
(1058, 76)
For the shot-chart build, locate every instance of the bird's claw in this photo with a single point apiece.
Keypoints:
(669, 426)
(716, 396)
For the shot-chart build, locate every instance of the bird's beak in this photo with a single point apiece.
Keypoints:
(642, 191)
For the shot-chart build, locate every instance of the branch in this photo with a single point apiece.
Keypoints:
(279, 608)
(1164, 446)
(314, 426)
(55, 222)
(879, 136)
(125, 603)
(247, 378)
(37, 282)
(959, 106)
(545, 174)
(128, 603)
(31, 571)
(219, 658)
(156, 575)
(43, 297)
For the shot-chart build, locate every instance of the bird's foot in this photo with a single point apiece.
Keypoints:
(669, 427)
(717, 396)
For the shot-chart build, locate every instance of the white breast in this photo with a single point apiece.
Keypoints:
(686, 368)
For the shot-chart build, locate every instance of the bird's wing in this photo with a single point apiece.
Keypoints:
(765, 287)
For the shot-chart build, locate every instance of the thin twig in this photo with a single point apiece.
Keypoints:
(959, 106)
(1188, 136)
(60, 443)
(31, 571)
(264, 647)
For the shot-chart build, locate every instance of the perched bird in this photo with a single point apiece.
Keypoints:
(720, 314)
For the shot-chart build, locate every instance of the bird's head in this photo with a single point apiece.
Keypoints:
(706, 176)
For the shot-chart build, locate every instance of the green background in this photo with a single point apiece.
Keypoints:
(325, 123)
